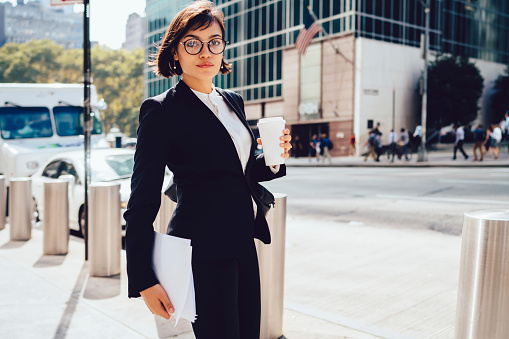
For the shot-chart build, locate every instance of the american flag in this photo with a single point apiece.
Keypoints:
(311, 28)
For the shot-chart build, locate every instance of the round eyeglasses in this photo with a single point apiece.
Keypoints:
(194, 46)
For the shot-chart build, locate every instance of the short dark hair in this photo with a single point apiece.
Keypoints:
(198, 14)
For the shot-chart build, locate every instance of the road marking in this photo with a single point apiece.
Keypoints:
(346, 322)
(468, 201)
(480, 182)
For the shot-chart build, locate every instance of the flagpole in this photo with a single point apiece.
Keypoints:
(323, 30)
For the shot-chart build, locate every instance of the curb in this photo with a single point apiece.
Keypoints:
(404, 165)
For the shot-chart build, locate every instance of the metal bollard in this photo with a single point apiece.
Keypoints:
(271, 259)
(483, 301)
(56, 218)
(105, 236)
(164, 214)
(3, 202)
(20, 209)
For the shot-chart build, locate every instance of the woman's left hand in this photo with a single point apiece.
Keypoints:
(285, 138)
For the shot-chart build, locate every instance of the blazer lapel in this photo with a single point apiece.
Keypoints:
(235, 107)
(205, 114)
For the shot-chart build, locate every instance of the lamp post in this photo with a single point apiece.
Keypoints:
(87, 125)
(422, 156)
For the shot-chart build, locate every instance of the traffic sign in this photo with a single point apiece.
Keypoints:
(65, 2)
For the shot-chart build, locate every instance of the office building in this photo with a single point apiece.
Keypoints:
(366, 69)
(33, 20)
(134, 32)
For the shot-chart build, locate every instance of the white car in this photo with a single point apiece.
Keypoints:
(107, 165)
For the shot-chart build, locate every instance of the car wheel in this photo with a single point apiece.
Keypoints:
(81, 221)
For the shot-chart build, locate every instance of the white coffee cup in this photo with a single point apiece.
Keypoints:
(270, 130)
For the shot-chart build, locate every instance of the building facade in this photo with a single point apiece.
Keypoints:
(363, 68)
(33, 20)
(134, 32)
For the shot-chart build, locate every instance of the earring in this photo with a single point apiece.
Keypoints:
(174, 67)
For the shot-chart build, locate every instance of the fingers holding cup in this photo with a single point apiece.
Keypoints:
(285, 138)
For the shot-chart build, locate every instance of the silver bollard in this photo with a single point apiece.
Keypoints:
(3, 202)
(105, 236)
(271, 259)
(164, 214)
(20, 209)
(483, 299)
(56, 218)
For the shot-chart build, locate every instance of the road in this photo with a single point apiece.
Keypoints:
(377, 250)
(421, 198)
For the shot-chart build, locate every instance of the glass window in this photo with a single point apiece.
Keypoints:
(25, 122)
(52, 170)
(122, 164)
(69, 120)
(68, 169)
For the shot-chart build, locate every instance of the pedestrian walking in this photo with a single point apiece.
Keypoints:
(507, 128)
(318, 150)
(296, 147)
(417, 135)
(376, 130)
(378, 146)
(221, 206)
(312, 147)
(495, 137)
(351, 145)
(371, 143)
(404, 139)
(325, 146)
(458, 144)
(393, 146)
(479, 138)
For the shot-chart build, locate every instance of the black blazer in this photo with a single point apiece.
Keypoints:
(214, 207)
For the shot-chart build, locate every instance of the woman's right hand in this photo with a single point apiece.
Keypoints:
(157, 301)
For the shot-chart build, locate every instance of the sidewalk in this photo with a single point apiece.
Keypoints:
(341, 281)
(440, 156)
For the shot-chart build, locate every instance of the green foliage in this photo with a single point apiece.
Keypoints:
(117, 75)
(454, 88)
(500, 97)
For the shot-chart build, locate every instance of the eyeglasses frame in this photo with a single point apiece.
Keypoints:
(203, 43)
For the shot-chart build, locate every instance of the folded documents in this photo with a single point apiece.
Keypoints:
(171, 261)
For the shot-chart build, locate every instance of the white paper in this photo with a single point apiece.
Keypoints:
(171, 260)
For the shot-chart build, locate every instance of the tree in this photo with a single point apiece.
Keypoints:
(30, 62)
(500, 96)
(454, 88)
(117, 75)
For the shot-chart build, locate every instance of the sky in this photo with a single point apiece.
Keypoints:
(108, 19)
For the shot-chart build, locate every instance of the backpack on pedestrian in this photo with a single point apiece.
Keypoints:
(331, 145)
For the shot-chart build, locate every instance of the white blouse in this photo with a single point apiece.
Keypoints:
(238, 132)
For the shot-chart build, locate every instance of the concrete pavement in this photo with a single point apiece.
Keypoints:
(342, 280)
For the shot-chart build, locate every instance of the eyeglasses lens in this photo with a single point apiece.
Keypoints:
(193, 46)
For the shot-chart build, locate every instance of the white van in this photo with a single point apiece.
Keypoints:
(40, 120)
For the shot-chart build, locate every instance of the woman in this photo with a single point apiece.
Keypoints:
(493, 137)
(221, 206)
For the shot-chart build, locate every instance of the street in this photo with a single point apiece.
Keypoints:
(420, 198)
(377, 250)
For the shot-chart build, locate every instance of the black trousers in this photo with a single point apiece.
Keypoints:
(459, 146)
(228, 297)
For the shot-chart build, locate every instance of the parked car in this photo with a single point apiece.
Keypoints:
(107, 165)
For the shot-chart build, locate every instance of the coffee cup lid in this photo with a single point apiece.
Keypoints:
(270, 120)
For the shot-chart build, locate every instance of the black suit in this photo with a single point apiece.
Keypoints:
(214, 206)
